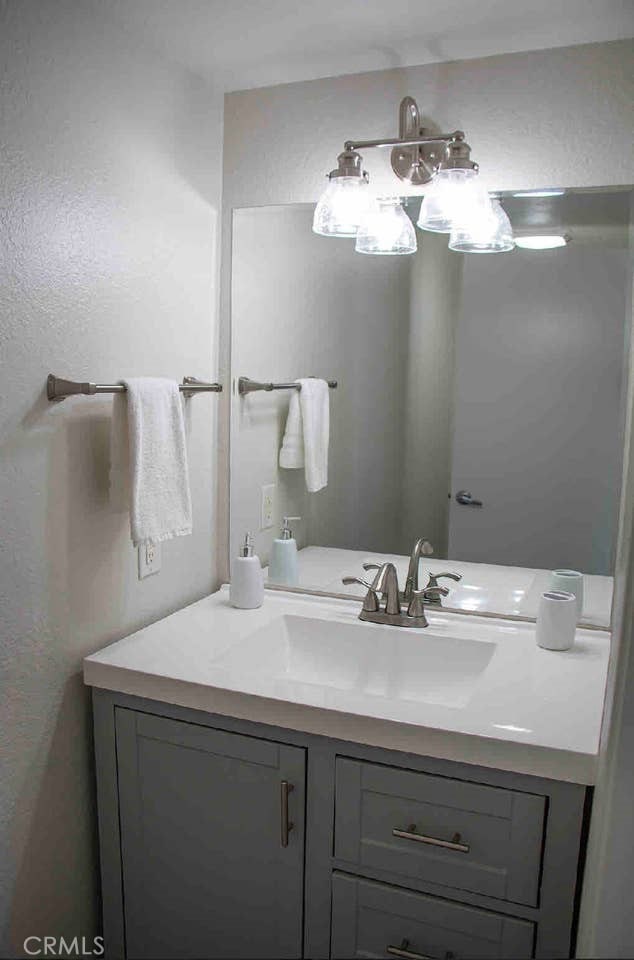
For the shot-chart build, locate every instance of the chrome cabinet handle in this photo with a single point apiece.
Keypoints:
(287, 826)
(410, 834)
(465, 498)
(406, 954)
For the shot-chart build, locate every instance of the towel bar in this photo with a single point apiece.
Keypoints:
(58, 389)
(246, 385)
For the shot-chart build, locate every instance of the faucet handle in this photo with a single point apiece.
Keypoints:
(371, 602)
(435, 577)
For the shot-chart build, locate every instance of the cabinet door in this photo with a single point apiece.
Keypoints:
(206, 870)
(372, 919)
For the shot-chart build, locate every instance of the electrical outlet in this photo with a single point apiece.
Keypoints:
(267, 510)
(149, 559)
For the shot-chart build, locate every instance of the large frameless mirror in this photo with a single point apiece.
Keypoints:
(480, 399)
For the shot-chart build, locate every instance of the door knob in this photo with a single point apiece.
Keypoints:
(464, 497)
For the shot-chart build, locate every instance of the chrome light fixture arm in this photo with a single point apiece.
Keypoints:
(416, 154)
(404, 142)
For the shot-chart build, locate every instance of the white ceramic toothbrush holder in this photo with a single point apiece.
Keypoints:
(568, 581)
(556, 620)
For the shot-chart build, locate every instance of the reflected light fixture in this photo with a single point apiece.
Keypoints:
(542, 241)
(386, 229)
(418, 157)
(486, 228)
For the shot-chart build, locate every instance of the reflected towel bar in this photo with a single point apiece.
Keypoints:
(246, 385)
(58, 389)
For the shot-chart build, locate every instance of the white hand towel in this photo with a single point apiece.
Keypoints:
(307, 433)
(158, 487)
(292, 451)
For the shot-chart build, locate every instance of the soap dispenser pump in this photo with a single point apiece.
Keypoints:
(246, 590)
(283, 565)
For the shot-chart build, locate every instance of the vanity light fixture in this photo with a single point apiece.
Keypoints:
(386, 229)
(543, 241)
(417, 158)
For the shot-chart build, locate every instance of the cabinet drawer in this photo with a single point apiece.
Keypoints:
(371, 919)
(450, 832)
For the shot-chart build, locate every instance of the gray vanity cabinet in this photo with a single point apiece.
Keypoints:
(207, 852)
(207, 869)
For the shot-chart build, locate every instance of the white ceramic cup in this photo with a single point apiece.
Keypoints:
(568, 581)
(556, 620)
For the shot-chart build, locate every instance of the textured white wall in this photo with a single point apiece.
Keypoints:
(109, 193)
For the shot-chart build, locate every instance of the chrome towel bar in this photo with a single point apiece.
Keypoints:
(246, 385)
(58, 389)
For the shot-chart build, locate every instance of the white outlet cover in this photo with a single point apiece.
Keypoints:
(149, 559)
(267, 510)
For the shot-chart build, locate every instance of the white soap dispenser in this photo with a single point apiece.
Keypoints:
(283, 564)
(246, 590)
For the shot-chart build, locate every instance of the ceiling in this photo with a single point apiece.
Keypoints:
(251, 43)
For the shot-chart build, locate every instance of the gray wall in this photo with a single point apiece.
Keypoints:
(110, 194)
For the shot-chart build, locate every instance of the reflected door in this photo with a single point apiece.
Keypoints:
(537, 430)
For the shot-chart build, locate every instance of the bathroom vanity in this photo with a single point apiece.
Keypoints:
(290, 782)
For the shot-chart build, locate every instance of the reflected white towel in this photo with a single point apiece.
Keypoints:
(307, 434)
(148, 470)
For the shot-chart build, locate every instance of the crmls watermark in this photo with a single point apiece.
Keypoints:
(61, 947)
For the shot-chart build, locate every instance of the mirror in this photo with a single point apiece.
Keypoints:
(462, 379)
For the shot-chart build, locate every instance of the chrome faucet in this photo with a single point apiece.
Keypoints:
(385, 586)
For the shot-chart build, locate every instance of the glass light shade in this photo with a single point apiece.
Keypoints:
(386, 230)
(485, 228)
(450, 192)
(341, 207)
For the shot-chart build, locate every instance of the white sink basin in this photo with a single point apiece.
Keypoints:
(375, 660)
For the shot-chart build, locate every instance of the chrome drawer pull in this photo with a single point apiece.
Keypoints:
(406, 954)
(410, 834)
(287, 826)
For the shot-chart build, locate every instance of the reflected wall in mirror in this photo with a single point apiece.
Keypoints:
(497, 378)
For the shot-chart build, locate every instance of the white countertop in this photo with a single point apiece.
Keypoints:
(531, 711)
(485, 587)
